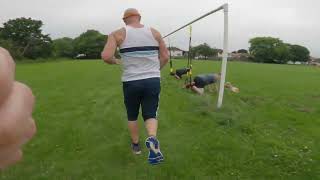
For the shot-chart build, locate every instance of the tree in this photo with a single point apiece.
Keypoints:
(63, 47)
(90, 43)
(206, 51)
(9, 45)
(282, 53)
(203, 50)
(193, 52)
(27, 38)
(268, 50)
(243, 51)
(299, 53)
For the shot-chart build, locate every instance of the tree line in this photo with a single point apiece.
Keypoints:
(262, 50)
(274, 50)
(24, 38)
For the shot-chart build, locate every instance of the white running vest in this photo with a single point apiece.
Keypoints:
(140, 55)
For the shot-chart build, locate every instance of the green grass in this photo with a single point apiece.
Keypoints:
(268, 131)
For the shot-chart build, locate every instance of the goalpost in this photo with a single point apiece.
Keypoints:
(225, 9)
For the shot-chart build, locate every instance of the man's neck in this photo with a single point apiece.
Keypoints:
(136, 25)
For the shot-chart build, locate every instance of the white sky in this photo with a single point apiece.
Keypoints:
(294, 21)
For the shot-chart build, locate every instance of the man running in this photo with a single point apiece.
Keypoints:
(144, 54)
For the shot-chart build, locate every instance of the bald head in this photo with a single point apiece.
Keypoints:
(131, 15)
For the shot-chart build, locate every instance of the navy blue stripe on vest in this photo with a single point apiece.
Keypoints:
(142, 48)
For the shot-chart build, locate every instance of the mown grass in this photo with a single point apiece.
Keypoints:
(268, 131)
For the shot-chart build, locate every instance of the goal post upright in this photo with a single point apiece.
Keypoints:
(225, 9)
(225, 55)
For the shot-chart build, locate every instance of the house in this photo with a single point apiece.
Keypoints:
(240, 55)
(200, 57)
(220, 54)
(314, 62)
(176, 52)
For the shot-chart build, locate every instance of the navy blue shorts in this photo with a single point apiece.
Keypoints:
(144, 93)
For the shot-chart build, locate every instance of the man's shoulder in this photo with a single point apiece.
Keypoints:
(154, 30)
(119, 35)
(156, 34)
(120, 31)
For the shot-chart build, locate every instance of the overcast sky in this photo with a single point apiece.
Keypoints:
(294, 21)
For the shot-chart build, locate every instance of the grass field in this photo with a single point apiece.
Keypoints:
(271, 130)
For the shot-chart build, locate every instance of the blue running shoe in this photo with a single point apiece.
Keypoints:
(155, 155)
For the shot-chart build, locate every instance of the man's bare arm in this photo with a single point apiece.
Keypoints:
(199, 91)
(109, 50)
(163, 51)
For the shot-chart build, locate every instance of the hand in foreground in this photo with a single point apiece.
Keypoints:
(16, 105)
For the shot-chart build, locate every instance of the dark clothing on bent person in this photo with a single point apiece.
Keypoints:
(203, 80)
(180, 72)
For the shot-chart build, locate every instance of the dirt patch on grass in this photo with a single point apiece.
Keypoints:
(305, 109)
(315, 96)
(302, 108)
(253, 100)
